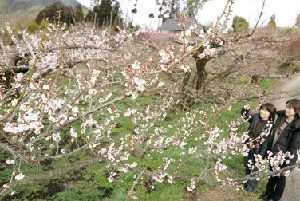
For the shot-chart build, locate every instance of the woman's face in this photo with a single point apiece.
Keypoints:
(289, 111)
(264, 114)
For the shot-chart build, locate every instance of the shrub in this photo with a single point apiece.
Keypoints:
(272, 21)
(289, 67)
(240, 25)
(6, 38)
(32, 27)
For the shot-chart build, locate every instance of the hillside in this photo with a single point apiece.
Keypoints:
(10, 6)
(19, 12)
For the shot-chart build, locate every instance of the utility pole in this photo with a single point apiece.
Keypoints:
(126, 18)
(111, 13)
(95, 20)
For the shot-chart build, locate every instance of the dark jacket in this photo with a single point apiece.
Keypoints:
(288, 140)
(258, 144)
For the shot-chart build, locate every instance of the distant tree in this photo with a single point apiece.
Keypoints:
(104, 12)
(272, 21)
(79, 15)
(171, 8)
(240, 25)
(32, 27)
(66, 14)
(174, 6)
(193, 6)
(298, 21)
(168, 8)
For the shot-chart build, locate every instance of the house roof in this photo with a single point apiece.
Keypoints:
(173, 25)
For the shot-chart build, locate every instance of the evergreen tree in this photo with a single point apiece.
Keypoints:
(240, 25)
(79, 16)
(272, 21)
(168, 9)
(58, 12)
(105, 13)
(193, 6)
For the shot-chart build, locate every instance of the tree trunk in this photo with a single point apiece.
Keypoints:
(201, 73)
(196, 84)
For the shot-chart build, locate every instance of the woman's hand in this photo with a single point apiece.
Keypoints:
(245, 112)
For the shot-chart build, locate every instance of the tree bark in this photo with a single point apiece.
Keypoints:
(201, 73)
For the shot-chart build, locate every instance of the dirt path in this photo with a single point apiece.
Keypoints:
(290, 88)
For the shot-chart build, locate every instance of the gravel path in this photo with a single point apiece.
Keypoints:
(290, 88)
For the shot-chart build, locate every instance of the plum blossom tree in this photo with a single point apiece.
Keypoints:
(39, 114)
(43, 119)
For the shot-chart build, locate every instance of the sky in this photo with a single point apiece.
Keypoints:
(285, 11)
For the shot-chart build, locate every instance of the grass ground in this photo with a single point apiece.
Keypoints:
(91, 183)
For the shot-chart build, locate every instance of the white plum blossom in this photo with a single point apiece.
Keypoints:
(31, 116)
(75, 110)
(170, 179)
(165, 56)
(14, 102)
(73, 133)
(160, 177)
(18, 77)
(56, 137)
(129, 112)
(188, 33)
(92, 91)
(185, 68)
(111, 176)
(136, 65)
(110, 110)
(133, 165)
(160, 84)
(189, 48)
(208, 52)
(19, 176)
(102, 100)
(163, 67)
(193, 185)
(45, 87)
(9, 162)
(140, 83)
(192, 150)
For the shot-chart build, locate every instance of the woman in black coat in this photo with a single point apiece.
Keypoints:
(285, 139)
(259, 129)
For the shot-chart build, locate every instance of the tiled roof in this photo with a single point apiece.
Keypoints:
(172, 25)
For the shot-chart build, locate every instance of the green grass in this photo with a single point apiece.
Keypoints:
(267, 84)
(91, 183)
(168, 192)
(237, 79)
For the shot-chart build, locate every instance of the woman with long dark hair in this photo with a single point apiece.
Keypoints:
(283, 144)
(259, 129)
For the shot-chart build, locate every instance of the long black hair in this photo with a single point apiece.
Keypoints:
(270, 108)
